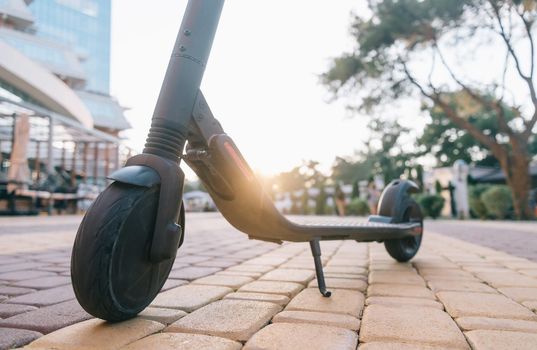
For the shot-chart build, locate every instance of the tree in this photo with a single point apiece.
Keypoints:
(351, 169)
(355, 190)
(402, 37)
(320, 201)
(289, 181)
(384, 149)
(305, 200)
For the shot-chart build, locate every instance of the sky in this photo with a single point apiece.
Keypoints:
(262, 79)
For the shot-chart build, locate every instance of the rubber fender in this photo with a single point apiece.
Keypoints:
(394, 198)
(138, 175)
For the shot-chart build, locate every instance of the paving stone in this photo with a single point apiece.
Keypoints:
(290, 336)
(190, 297)
(289, 275)
(404, 301)
(190, 259)
(440, 278)
(422, 325)
(11, 338)
(501, 340)
(459, 304)
(45, 297)
(24, 275)
(348, 262)
(398, 346)
(520, 294)
(270, 261)
(48, 319)
(271, 298)
(509, 279)
(342, 301)
(346, 269)
(44, 282)
(289, 289)
(253, 275)
(495, 269)
(251, 268)
(233, 282)
(96, 334)
(164, 316)
(342, 283)
(426, 273)
(19, 266)
(173, 341)
(14, 291)
(217, 263)
(54, 268)
(497, 324)
(345, 275)
(172, 283)
(299, 265)
(460, 286)
(321, 318)
(398, 277)
(193, 272)
(391, 266)
(8, 310)
(529, 272)
(522, 264)
(233, 319)
(532, 305)
(399, 290)
(10, 259)
(423, 263)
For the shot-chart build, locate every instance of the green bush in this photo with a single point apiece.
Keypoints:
(498, 201)
(358, 207)
(431, 204)
(477, 207)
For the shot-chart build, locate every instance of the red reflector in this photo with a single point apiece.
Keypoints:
(237, 159)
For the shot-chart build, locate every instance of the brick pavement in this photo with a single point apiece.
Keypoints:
(515, 238)
(228, 292)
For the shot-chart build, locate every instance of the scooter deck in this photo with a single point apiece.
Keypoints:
(245, 204)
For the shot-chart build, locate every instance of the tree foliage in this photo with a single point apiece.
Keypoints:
(401, 50)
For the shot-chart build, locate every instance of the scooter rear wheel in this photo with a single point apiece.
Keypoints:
(112, 275)
(404, 249)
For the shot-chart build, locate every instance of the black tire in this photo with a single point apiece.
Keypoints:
(112, 276)
(404, 249)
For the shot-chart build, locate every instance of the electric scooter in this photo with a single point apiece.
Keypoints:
(127, 242)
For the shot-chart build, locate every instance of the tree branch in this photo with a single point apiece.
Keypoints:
(527, 26)
(500, 113)
(454, 117)
(528, 79)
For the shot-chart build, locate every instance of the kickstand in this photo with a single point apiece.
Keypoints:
(316, 252)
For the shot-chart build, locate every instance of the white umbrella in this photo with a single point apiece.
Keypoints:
(19, 172)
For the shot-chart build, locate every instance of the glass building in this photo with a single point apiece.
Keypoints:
(70, 39)
(84, 26)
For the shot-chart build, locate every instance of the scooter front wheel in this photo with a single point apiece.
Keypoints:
(112, 275)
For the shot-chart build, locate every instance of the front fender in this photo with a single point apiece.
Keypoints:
(139, 175)
(394, 199)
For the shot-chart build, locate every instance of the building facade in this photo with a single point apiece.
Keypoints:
(54, 80)
(65, 40)
(83, 25)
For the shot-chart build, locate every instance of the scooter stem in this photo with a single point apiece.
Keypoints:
(175, 103)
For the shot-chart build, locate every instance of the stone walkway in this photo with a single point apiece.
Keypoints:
(515, 238)
(227, 292)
